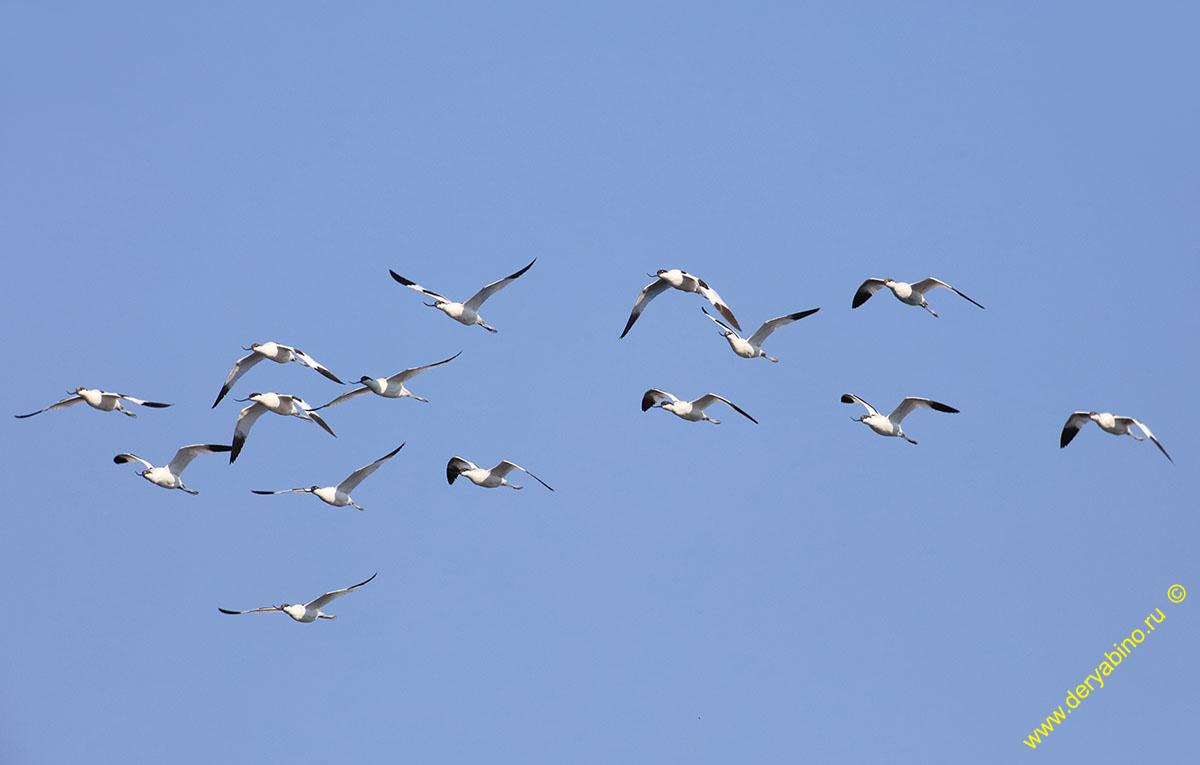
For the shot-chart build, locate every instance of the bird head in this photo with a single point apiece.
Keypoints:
(313, 488)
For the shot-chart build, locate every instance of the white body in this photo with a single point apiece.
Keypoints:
(169, 476)
(281, 404)
(752, 348)
(684, 282)
(890, 425)
(692, 411)
(309, 612)
(468, 312)
(488, 479)
(339, 496)
(909, 294)
(280, 354)
(97, 399)
(1109, 423)
(389, 387)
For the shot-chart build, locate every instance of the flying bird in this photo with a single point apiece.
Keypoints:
(693, 411)
(890, 425)
(468, 312)
(752, 348)
(310, 611)
(684, 282)
(339, 496)
(388, 387)
(280, 354)
(488, 479)
(911, 294)
(288, 406)
(1109, 423)
(97, 399)
(169, 477)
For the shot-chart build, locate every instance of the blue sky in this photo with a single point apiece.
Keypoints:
(182, 182)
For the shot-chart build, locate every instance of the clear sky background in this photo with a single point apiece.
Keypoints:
(180, 182)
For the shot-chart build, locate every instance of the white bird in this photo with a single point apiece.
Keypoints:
(339, 496)
(752, 348)
(388, 387)
(310, 611)
(683, 281)
(693, 411)
(1109, 423)
(468, 312)
(280, 354)
(912, 294)
(292, 406)
(169, 477)
(488, 479)
(97, 399)
(890, 425)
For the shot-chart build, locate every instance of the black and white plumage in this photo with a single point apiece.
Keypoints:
(890, 425)
(97, 399)
(310, 611)
(751, 348)
(388, 387)
(488, 479)
(468, 312)
(168, 476)
(280, 354)
(692, 411)
(339, 496)
(684, 282)
(279, 403)
(1109, 423)
(910, 294)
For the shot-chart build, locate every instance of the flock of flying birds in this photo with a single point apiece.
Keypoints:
(169, 475)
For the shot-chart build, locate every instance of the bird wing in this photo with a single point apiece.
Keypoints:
(413, 285)
(400, 377)
(759, 337)
(345, 397)
(239, 368)
(485, 293)
(850, 398)
(718, 303)
(704, 401)
(312, 363)
(121, 459)
(186, 454)
(720, 323)
(1076, 421)
(245, 421)
(505, 467)
(907, 405)
(281, 491)
(153, 404)
(456, 466)
(648, 293)
(318, 419)
(359, 475)
(263, 610)
(925, 285)
(66, 402)
(866, 290)
(324, 599)
(653, 396)
(1150, 436)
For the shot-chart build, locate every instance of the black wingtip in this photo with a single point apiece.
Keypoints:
(943, 408)
(219, 447)
(400, 278)
(847, 398)
(523, 270)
